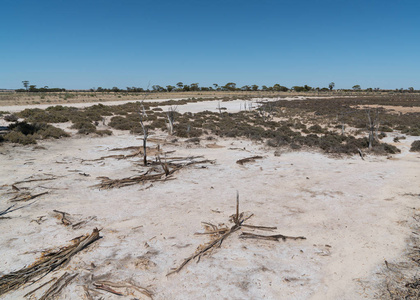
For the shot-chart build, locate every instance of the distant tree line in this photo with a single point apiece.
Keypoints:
(34, 89)
(230, 86)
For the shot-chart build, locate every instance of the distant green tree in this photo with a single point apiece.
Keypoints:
(194, 87)
(115, 89)
(264, 88)
(255, 87)
(356, 87)
(180, 85)
(279, 88)
(230, 86)
(26, 84)
(331, 85)
(411, 89)
(32, 88)
(298, 88)
(170, 88)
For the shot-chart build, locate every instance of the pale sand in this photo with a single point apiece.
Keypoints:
(353, 213)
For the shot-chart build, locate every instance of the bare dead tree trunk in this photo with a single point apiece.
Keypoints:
(373, 126)
(171, 118)
(145, 135)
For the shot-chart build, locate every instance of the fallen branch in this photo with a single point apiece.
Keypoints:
(56, 288)
(26, 197)
(249, 159)
(32, 180)
(40, 287)
(276, 237)
(108, 183)
(222, 233)
(107, 285)
(64, 219)
(45, 264)
(101, 286)
(9, 209)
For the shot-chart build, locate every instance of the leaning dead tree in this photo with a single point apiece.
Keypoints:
(220, 233)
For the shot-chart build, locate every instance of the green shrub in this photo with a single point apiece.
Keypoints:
(49, 131)
(11, 118)
(84, 127)
(104, 132)
(19, 138)
(385, 128)
(316, 129)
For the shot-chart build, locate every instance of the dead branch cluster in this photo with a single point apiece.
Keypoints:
(158, 171)
(46, 264)
(220, 233)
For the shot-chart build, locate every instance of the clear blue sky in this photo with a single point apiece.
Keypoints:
(90, 43)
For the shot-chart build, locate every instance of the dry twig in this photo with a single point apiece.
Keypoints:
(248, 159)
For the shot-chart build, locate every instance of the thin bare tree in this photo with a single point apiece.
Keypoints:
(171, 118)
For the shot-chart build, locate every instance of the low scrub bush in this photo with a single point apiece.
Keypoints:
(84, 127)
(415, 146)
(19, 138)
(11, 118)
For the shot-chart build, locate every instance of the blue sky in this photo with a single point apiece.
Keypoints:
(90, 43)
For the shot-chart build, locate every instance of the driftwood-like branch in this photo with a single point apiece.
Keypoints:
(214, 243)
(248, 159)
(64, 219)
(45, 264)
(276, 237)
(108, 285)
(56, 288)
(32, 180)
(26, 197)
(222, 233)
(108, 183)
(10, 208)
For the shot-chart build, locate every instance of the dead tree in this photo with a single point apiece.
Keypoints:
(372, 127)
(171, 118)
(145, 136)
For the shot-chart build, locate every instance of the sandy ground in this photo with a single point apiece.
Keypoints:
(353, 213)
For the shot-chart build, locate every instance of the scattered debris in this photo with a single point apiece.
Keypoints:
(47, 263)
(219, 233)
(249, 159)
(64, 219)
